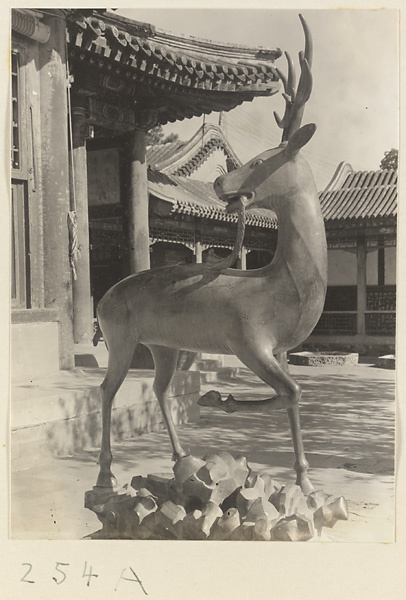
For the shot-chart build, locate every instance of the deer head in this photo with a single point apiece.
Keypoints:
(272, 175)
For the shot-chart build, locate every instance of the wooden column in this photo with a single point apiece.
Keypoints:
(381, 263)
(55, 184)
(244, 258)
(361, 284)
(198, 251)
(137, 203)
(82, 307)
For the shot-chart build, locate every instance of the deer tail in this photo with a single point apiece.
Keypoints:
(97, 336)
(225, 263)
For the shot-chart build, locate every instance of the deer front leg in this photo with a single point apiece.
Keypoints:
(106, 478)
(165, 360)
(121, 349)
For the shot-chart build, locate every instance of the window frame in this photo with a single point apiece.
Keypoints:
(22, 171)
(20, 291)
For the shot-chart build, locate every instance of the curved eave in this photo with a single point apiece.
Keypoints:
(362, 222)
(218, 214)
(198, 199)
(191, 44)
(183, 159)
(173, 61)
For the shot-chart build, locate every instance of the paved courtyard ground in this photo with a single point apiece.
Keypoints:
(348, 422)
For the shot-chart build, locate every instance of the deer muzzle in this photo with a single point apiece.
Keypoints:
(234, 203)
(227, 189)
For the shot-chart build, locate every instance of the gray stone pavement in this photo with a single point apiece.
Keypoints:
(348, 422)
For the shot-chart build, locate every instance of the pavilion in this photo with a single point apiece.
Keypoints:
(87, 82)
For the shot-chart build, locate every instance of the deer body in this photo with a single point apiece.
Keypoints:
(201, 308)
(257, 315)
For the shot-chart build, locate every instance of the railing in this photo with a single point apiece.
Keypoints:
(381, 298)
(380, 323)
(337, 323)
(340, 311)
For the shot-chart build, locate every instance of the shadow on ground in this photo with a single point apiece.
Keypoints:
(348, 421)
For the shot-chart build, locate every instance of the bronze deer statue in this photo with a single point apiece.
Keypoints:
(257, 315)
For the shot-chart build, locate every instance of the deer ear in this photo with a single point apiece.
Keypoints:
(300, 138)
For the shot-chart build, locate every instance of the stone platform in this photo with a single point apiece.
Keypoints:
(387, 362)
(218, 497)
(318, 359)
(61, 415)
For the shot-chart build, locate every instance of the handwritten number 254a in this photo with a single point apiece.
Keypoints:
(87, 573)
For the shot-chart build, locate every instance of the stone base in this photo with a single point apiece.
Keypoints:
(217, 498)
(365, 345)
(387, 362)
(318, 359)
(61, 415)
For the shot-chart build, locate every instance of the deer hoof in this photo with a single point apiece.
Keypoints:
(177, 455)
(107, 480)
(212, 398)
(230, 404)
(306, 486)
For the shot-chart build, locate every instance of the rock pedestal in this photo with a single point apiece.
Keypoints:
(218, 497)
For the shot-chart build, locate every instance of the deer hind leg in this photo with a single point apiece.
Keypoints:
(165, 360)
(121, 346)
(301, 464)
(262, 362)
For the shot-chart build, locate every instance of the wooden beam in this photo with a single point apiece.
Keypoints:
(55, 185)
(381, 263)
(198, 251)
(244, 258)
(82, 306)
(137, 203)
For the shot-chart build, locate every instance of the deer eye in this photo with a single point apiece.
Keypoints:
(256, 163)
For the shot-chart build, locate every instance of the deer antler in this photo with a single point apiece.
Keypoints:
(296, 99)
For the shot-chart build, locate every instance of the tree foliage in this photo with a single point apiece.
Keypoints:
(390, 160)
(156, 136)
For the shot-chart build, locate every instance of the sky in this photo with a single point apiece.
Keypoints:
(354, 101)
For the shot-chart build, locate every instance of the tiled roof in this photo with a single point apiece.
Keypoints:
(182, 158)
(360, 195)
(199, 199)
(174, 67)
(354, 195)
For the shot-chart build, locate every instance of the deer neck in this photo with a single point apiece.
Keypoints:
(301, 246)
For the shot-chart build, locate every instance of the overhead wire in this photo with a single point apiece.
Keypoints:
(253, 127)
(250, 126)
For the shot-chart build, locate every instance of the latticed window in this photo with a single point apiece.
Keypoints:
(337, 323)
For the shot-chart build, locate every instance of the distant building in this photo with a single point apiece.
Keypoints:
(86, 86)
(360, 211)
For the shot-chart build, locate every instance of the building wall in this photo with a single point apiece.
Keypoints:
(390, 265)
(372, 268)
(342, 267)
(41, 203)
(103, 179)
(34, 351)
(166, 253)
